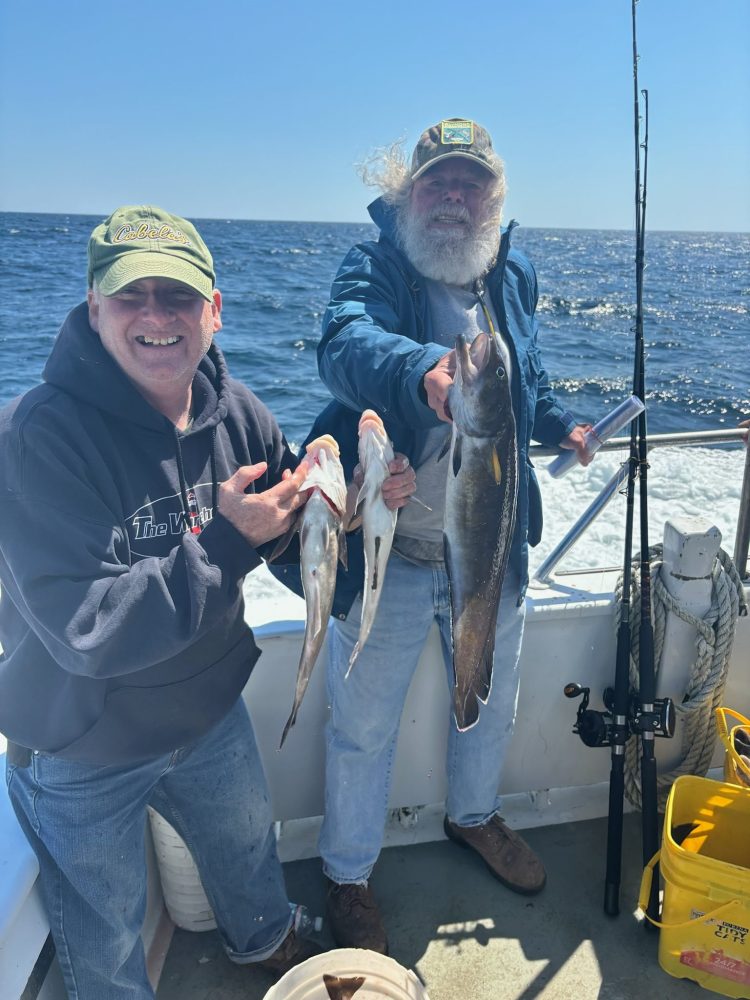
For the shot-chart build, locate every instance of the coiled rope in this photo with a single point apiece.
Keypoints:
(708, 675)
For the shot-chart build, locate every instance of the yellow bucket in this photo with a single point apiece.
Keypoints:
(736, 767)
(705, 865)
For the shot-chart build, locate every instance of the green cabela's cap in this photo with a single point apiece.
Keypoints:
(453, 137)
(143, 241)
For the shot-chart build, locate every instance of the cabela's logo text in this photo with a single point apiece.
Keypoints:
(145, 231)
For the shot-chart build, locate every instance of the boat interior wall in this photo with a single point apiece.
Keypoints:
(23, 922)
(569, 636)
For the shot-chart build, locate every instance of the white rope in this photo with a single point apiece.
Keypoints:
(708, 675)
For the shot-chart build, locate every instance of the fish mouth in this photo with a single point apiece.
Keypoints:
(472, 358)
(331, 504)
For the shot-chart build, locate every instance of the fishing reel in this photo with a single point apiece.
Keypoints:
(598, 728)
(594, 727)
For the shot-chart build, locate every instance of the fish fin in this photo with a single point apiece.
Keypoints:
(352, 658)
(457, 454)
(282, 543)
(496, 469)
(377, 563)
(343, 553)
(339, 988)
(350, 511)
(445, 448)
(354, 523)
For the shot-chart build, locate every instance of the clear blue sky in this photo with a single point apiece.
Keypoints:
(259, 109)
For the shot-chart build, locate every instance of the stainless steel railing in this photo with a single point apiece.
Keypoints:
(689, 438)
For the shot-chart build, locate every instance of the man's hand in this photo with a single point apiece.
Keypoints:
(401, 483)
(397, 488)
(437, 383)
(259, 517)
(576, 441)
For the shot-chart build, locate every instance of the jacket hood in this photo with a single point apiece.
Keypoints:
(384, 217)
(79, 365)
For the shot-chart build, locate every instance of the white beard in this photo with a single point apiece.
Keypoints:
(456, 258)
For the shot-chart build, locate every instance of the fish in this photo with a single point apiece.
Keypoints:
(378, 522)
(480, 513)
(321, 525)
(342, 989)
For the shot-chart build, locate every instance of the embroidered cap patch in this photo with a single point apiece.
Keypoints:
(456, 133)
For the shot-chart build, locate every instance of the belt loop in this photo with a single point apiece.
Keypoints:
(18, 756)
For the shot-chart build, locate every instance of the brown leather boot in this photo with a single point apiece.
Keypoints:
(290, 952)
(354, 917)
(508, 856)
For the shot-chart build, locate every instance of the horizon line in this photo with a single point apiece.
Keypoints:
(369, 222)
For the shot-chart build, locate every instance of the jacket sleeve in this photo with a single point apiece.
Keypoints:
(368, 355)
(66, 565)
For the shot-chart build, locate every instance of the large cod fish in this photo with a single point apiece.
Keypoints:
(322, 543)
(378, 522)
(480, 511)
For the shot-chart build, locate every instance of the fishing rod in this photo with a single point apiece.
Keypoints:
(625, 714)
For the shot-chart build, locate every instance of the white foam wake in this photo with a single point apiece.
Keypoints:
(683, 482)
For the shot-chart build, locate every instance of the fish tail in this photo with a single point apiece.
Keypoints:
(352, 658)
(465, 711)
(339, 988)
(468, 697)
(289, 723)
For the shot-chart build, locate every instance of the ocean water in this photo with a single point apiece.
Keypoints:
(275, 278)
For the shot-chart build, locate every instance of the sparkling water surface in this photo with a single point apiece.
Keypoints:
(275, 278)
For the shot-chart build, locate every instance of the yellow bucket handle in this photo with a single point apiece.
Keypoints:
(726, 736)
(643, 897)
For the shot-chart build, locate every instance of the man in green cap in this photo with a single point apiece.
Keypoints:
(139, 485)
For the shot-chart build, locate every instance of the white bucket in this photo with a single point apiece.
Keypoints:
(184, 895)
(383, 977)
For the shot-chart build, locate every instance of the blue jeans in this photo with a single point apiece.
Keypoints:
(86, 824)
(366, 710)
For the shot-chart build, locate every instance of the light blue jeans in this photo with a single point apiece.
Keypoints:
(366, 710)
(86, 824)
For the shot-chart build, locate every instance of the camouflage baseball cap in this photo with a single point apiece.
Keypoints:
(452, 137)
(143, 241)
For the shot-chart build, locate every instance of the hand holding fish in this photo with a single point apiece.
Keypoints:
(576, 441)
(259, 517)
(437, 385)
(397, 488)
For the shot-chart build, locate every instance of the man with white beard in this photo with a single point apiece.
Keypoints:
(439, 268)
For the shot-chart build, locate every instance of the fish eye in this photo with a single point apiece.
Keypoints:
(500, 372)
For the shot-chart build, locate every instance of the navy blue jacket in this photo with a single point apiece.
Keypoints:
(122, 629)
(376, 347)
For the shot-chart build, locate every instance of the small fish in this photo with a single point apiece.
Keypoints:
(342, 989)
(378, 522)
(322, 544)
(480, 511)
